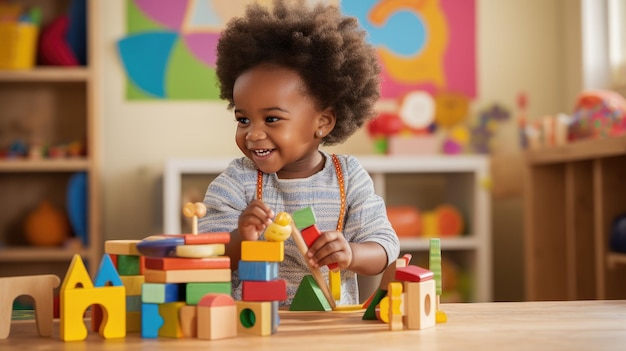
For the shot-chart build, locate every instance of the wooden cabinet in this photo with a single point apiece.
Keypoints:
(424, 182)
(52, 106)
(572, 195)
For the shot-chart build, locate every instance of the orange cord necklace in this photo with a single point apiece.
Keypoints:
(342, 191)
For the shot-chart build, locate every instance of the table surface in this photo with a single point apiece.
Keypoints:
(573, 325)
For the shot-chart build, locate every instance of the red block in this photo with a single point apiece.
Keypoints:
(413, 274)
(273, 290)
(310, 234)
(177, 263)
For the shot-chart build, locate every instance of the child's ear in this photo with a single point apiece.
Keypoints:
(327, 120)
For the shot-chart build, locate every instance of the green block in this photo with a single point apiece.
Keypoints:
(434, 262)
(370, 312)
(128, 265)
(309, 297)
(195, 291)
(304, 218)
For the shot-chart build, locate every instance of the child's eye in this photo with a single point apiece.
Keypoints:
(242, 120)
(271, 119)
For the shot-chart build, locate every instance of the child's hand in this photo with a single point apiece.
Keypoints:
(254, 219)
(330, 247)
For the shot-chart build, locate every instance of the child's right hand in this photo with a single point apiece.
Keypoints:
(254, 219)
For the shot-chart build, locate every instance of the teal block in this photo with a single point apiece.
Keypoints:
(160, 292)
(258, 270)
(304, 218)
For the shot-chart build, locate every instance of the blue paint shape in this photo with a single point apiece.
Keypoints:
(404, 33)
(145, 57)
(107, 273)
(203, 15)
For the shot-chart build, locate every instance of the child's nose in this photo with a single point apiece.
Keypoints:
(255, 134)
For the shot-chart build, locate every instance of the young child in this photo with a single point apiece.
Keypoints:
(298, 78)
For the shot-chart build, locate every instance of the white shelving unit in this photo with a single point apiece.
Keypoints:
(422, 181)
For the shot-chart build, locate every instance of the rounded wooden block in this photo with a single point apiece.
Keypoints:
(159, 246)
(200, 251)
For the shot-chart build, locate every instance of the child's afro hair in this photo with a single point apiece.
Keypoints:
(327, 49)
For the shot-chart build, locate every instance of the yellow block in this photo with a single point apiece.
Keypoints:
(171, 319)
(133, 284)
(270, 251)
(74, 303)
(334, 282)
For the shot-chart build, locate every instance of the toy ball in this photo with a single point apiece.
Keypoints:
(280, 229)
(618, 234)
(405, 220)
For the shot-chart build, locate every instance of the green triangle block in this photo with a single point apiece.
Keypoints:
(309, 297)
(370, 312)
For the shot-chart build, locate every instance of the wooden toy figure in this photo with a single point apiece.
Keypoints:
(194, 211)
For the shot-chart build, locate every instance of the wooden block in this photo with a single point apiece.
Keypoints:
(40, 288)
(413, 274)
(76, 275)
(310, 234)
(258, 270)
(133, 283)
(271, 251)
(133, 303)
(217, 317)
(200, 251)
(394, 292)
(128, 265)
(304, 218)
(188, 276)
(122, 247)
(170, 312)
(373, 301)
(107, 274)
(254, 317)
(195, 291)
(389, 274)
(206, 238)
(74, 303)
(133, 321)
(160, 293)
(189, 321)
(273, 290)
(309, 297)
(420, 301)
(177, 263)
(159, 245)
(334, 284)
(434, 261)
(151, 320)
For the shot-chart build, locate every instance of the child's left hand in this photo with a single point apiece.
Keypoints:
(330, 247)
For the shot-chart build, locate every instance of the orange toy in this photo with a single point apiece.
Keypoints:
(46, 226)
(450, 221)
(405, 220)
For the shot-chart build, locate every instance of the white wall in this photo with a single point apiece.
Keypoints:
(520, 48)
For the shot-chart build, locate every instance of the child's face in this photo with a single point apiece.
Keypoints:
(278, 123)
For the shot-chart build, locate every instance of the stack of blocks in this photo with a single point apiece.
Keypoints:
(261, 289)
(184, 274)
(309, 296)
(130, 265)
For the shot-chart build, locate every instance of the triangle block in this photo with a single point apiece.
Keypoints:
(107, 273)
(76, 275)
(370, 312)
(309, 297)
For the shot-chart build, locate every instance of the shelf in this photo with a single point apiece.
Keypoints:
(37, 254)
(579, 150)
(423, 164)
(46, 74)
(44, 165)
(423, 244)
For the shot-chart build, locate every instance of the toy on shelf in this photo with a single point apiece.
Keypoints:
(598, 114)
(618, 234)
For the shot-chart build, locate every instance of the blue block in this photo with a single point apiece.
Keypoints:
(258, 270)
(151, 321)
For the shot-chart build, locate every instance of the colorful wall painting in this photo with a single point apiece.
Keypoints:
(423, 44)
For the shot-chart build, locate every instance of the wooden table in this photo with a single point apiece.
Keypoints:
(573, 325)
